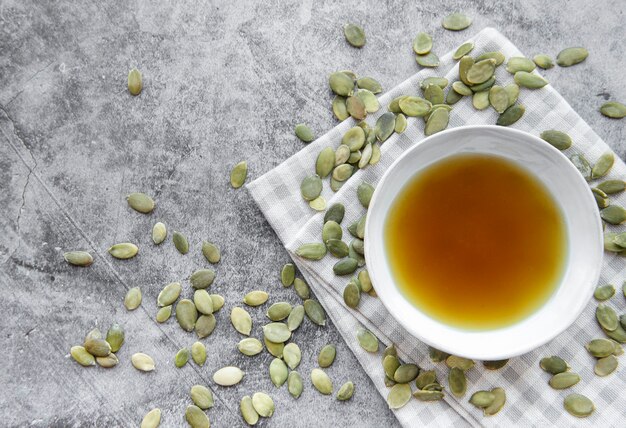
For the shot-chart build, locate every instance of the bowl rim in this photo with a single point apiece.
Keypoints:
(570, 317)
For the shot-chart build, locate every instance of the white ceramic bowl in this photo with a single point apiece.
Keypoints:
(583, 228)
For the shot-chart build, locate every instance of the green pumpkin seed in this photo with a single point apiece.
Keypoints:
(463, 50)
(364, 279)
(142, 362)
(609, 245)
(203, 302)
(366, 156)
(498, 98)
(181, 357)
(578, 405)
(186, 314)
(495, 365)
(438, 121)
(604, 292)
(263, 404)
(482, 399)
(612, 186)
(135, 82)
(465, 64)
(346, 391)
(275, 349)
(571, 56)
(315, 312)
(369, 100)
(613, 214)
(255, 298)
(152, 419)
(318, 204)
(180, 242)
(442, 82)
(279, 311)
(434, 94)
(250, 346)
(425, 378)
(287, 274)
(394, 105)
(211, 252)
(367, 340)
(460, 362)
(385, 124)
(164, 313)
(115, 337)
(354, 35)
(198, 353)
(132, 300)
(78, 258)
(354, 158)
(512, 91)
(600, 348)
(241, 320)
(553, 365)
(295, 317)
(202, 278)
(605, 366)
(343, 172)
(603, 165)
(618, 350)
(292, 355)
(456, 22)
(337, 248)
(389, 382)
(511, 115)
(331, 230)
(196, 418)
(457, 382)
(312, 251)
(278, 372)
(339, 108)
(558, 139)
(169, 294)
(497, 56)
(452, 97)
(414, 106)
(480, 100)
(238, 175)
(461, 88)
(301, 288)
(543, 61)
(529, 80)
(82, 357)
(359, 246)
(497, 404)
(124, 251)
(422, 43)
(228, 376)
(613, 109)
(311, 187)
(437, 356)
(582, 165)
(205, 325)
(335, 213)
(401, 124)
(356, 107)
(304, 133)
(352, 295)
(327, 356)
(294, 384)
(428, 395)
(399, 395)
(321, 381)
(602, 200)
(341, 84)
(619, 334)
(370, 84)
(429, 60)
(564, 380)
(201, 397)
(276, 332)
(606, 317)
(484, 86)
(345, 266)
(364, 193)
(481, 71)
(375, 154)
(140, 202)
(406, 373)
(97, 347)
(519, 63)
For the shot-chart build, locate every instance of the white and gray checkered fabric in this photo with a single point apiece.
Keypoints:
(530, 402)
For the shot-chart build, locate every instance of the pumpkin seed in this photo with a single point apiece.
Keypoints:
(263, 404)
(497, 56)
(425, 378)
(606, 317)
(358, 245)
(115, 337)
(364, 279)
(325, 162)
(604, 292)
(369, 100)
(553, 365)
(366, 156)
(292, 355)
(529, 80)
(442, 82)
(461, 88)
(485, 85)
(456, 22)
(181, 357)
(140, 202)
(511, 115)
(414, 106)
(346, 391)
(612, 186)
(201, 397)
(434, 94)
(354, 158)
(571, 56)
(495, 365)
(211, 252)
(152, 419)
(452, 97)
(422, 43)
(429, 60)
(255, 298)
(237, 176)
(326, 356)
(315, 312)
(202, 278)
(196, 418)
(354, 35)
(385, 124)
(321, 381)
(135, 82)
(399, 395)
(335, 213)
(180, 242)
(578, 405)
(482, 399)
(301, 288)
(276, 332)
(186, 314)
(401, 124)
(311, 187)
(294, 384)
(519, 63)
(613, 109)
(356, 107)
(437, 356)
(394, 105)
(498, 98)
(497, 404)
(169, 294)
(609, 245)
(312, 251)
(339, 108)
(480, 100)
(619, 334)
(367, 340)
(345, 266)
(564, 380)
(142, 362)
(438, 121)
(343, 172)
(481, 71)
(124, 251)
(228, 376)
(352, 295)
(582, 165)
(603, 165)
(278, 372)
(370, 84)
(241, 320)
(78, 258)
(279, 311)
(613, 214)
(465, 64)
(457, 382)
(605, 366)
(512, 91)
(250, 346)
(600, 348)
(304, 133)
(93, 334)
(406, 373)
(198, 353)
(341, 84)
(460, 362)
(331, 230)
(364, 193)
(375, 154)
(428, 395)
(543, 61)
(558, 139)
(463, 50)
(132, 300)
(205, 325)
(203, 302)
(97, 347)
(82, 357)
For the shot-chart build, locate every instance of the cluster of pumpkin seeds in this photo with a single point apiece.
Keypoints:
(259, 405)
(562, 378)
(98, 349)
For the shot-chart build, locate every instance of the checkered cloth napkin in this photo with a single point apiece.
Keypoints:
(530, 401)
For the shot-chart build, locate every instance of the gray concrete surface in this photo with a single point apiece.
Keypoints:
(224, 81)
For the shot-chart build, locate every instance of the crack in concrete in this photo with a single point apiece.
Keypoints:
(24, 87)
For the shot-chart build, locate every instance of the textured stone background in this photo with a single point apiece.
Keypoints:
(224, 81)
